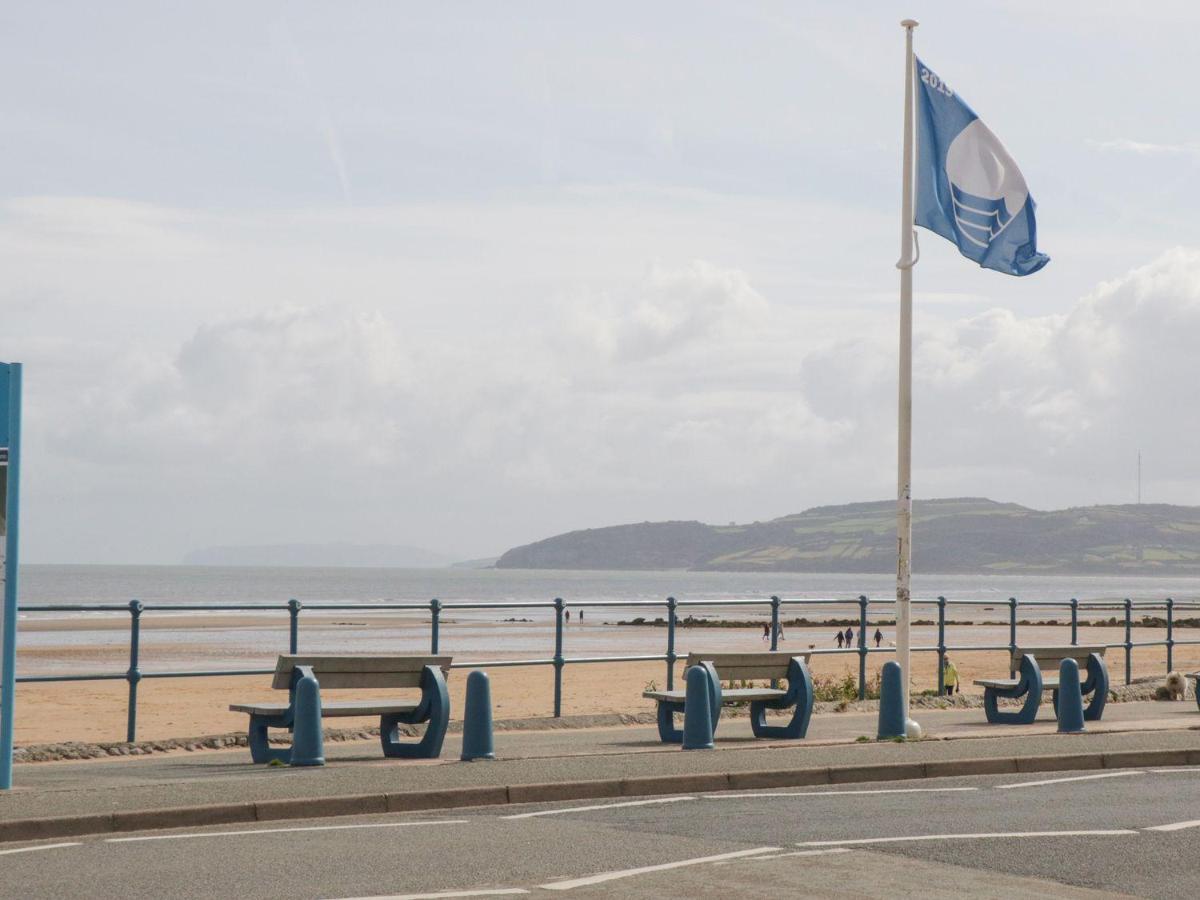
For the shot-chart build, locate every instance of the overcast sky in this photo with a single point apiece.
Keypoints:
(467, 275)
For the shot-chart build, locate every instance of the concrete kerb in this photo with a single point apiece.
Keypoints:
(503, 795)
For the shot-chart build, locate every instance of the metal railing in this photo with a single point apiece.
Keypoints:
(862, 606)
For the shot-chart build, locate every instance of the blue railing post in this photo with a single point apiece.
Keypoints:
(1170, 635)
(671, 657)
(774, 623)
(435, 621)
(134, 675)
(862, 647)
(558, 656)
(1128, 640)
(1012, 633)
(293, 626)
(1074, 622)
(941, 646)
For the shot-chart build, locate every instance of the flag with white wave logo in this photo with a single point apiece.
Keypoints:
(969, 190)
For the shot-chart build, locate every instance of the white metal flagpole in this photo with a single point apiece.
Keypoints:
(904, 431)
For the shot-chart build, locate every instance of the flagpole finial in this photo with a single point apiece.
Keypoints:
(909, 23)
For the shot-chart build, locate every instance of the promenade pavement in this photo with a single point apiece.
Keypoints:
(556, 756)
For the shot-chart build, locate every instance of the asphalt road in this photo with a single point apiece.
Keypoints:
(975, 841)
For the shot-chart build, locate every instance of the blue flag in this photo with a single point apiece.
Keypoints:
(969, 190)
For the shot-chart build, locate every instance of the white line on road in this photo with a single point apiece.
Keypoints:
(643, 870)
(821, 852)
(497, 892)
(1175, 826)
(1191, 770)
(756, 795)
(252, 832)
(983, 835)
(1122, 773)
(42, 847)
(555, 812)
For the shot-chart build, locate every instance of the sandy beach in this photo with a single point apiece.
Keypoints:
(193, 706)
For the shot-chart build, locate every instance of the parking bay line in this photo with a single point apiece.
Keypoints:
(494, 892)
(982, 835)
(1023, 784)
(645, 870)
(42, 847)
(254, 831)
(757, 795)
(556, 812)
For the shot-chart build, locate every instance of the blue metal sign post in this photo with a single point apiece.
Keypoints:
(10, 502)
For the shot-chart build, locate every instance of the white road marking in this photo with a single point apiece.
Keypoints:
(252, 832)
(1191, 770)
(757, 795)
(802, 853)
(42, 847)
(555, 812)
(983, 835)
(1121, 774)
(643, 870)
(1175, 826)
(497, 892)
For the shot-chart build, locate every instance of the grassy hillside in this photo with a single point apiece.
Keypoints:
(955, 535)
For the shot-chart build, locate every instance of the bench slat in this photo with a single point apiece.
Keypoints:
(335, 709)
(737, 695)
(359, 671)
(761, 666)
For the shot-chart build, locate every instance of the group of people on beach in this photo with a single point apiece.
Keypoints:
(847, 638)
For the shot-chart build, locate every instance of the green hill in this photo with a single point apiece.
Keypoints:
(953, 535)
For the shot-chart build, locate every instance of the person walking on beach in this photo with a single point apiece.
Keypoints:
(581, 617)
(568, 617)
(950, 677)
(878, 636)
(849, 635)
(766, 633)
(840, 638)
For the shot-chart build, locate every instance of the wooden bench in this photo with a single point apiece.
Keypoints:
(359, 671)
(769, 667)
(1036, 670)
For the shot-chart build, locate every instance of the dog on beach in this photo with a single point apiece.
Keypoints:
(1176, 686)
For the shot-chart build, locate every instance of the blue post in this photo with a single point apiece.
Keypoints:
(558, 655)
(1128, 640)
(1012, 627)
(941, 646)
(293, 626)
(308, 743)
(891, 702)
(1170, 635)
(477, 719)
(1074, 622)
(1070, 698)
(774, 623)
(435, 621)
(862, 647)
(697, 711)
(10, 428)
(671, 657)
(134, 674)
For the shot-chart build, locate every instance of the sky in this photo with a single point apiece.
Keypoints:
(463, 276)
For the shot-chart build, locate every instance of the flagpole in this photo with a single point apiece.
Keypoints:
(904, 430)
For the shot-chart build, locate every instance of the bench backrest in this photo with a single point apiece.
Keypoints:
(747, 666)
(1048, 658)
(359, 671)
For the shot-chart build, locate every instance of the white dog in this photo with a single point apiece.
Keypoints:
(1176, 686)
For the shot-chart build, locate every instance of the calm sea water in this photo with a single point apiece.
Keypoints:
(171, 585)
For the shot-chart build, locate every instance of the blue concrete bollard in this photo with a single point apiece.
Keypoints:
(308, 744)
(1070, 698)
(477, 719)
(891, 702)
(697, 711)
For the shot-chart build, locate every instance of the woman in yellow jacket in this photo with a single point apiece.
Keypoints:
(950, 677)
